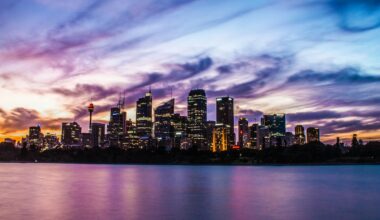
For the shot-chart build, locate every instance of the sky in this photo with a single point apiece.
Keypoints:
(317, 61)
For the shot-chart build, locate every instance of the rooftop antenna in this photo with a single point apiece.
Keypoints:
(171, 92)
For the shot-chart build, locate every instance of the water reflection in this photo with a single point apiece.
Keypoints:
(67, 191)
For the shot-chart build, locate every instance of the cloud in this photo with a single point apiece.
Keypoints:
(335, 126)
(17, 119)
(357, 15)
(348, 75)
(312, 116)
(96, 92)
(264, 67)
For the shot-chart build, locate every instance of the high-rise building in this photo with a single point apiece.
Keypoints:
(86, 140)
(35, 136)
(312, 135)
(263, 137)
(275, 123)
(220, 138)
(197, 117)
(299, 135)
(210, 125)
(243, 133)
(253, 129)
(179, 124)
(98, 134)
(163, 129)
(144, 122)
(131, 140)
(116, 128)
(51, 140)
(71, 134)
(225, 115)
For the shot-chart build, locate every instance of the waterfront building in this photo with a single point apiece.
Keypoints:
(197, 117)
(225, 115)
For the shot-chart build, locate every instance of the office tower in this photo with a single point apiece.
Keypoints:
(210, 125)
(225, 115)
(90, 110)
(288, 139)
(220, 138)
(86, 140)
(253, 131)
(35, 136)
(163, 129)
(275, 123)
(51, 140)
(98, 131)
(299, 135)
(243, 132)
(116, 128)
(263, 137)
(71, 134)
(197, 117)
(179, 124)
(312, 135)
(131, 140)
(144, 122)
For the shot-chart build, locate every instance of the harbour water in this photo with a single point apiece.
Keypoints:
(77, 191)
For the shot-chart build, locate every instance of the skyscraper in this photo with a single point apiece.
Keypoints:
(71, 134)
(197, 117)
(225, 115)
(98, 134)
(144, 122)
(210, 125)
(253, 131)
(220, 138)
(35, 136)
(179, 124)
(275, 123)
(312, 135)
(163, 129)
(116, 128)
(299, 134)
(243, 132)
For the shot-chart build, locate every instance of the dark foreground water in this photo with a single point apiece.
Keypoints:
(64, 191)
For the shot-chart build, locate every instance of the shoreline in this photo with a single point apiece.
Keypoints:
(201, 164)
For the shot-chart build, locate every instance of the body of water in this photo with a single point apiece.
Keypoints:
(72, 191)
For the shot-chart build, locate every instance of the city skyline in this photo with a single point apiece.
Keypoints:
(296, 63)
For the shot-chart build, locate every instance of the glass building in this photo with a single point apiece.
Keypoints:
(225, 115)
(299, 135)
(116, 128)
(312, 135)
(71, 134)
(163, 129)
(243, 132)
(144, 122)
(275, 123)
(197, 117)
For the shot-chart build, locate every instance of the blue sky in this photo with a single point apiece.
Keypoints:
(316, 61)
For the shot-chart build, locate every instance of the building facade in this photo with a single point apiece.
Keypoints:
(243, 131)
(71, 134)
(163, 129)
(312, 135)
(225, 115)
(144, 120)
(299, 135)
(197, 117)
